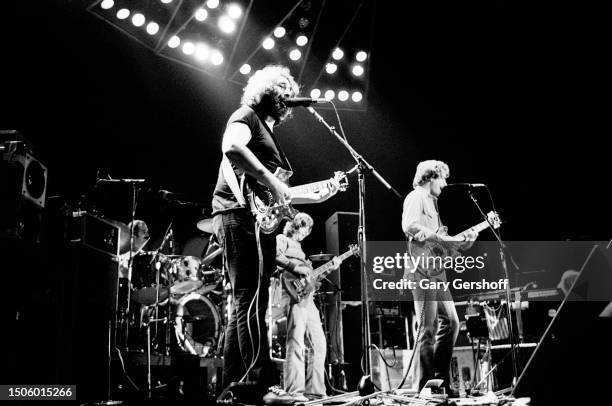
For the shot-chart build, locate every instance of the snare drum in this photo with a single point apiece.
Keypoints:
(197, 325)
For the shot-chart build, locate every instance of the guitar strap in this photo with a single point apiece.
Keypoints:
(232, 180)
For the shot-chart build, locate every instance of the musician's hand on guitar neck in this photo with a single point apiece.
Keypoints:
(280, 191)
(336, 262)
(468, 237)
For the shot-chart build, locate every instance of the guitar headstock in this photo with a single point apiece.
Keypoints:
(354, 249)
(494, 219)
(342, 180)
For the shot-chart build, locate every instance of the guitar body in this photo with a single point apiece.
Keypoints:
(434, 253)
(298, 288)
(432, 249)
(267, 213)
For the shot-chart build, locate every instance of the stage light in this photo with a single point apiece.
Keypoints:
(166, 1)
(152, 28)
(188, 48)
(212, 3)
(226, 24)
(216, 57)
(279, 32)
(315, 93)
(357, 96)
(138, 20)
(361, 56)
(343, 95)
(202, 52)
(201, 14)
(174, 42)
(234, 11)
(123, 14)
(106, 4)
(331, 68)
(357, 70)
(330, 94)
(295, 54)
(301, 40)
(268, 43)
(338, 54)
(245, 69)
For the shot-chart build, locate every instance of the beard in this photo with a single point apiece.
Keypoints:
(272, 105)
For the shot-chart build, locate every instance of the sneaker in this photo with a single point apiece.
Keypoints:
(299, 397)
(277, 396)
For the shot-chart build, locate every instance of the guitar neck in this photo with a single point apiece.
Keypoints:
(477, 228)
(309, 187)
(328, 265)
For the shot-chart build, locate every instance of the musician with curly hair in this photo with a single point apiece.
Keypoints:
(251, 154)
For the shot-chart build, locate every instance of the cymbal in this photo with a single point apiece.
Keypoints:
(205, 225)
(321, 257)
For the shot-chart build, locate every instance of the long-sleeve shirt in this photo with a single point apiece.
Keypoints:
(421, 214)
(289, 253)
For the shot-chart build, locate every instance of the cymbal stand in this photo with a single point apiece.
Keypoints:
(158, 269)
(114, 318)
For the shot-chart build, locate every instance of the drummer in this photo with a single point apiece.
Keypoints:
(141, 238)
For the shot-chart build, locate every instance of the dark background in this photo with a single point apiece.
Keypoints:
(507, 93)
(504, 92)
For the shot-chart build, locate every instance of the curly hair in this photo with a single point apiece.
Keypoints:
(300, 220)
(262, 82)
(428, 170)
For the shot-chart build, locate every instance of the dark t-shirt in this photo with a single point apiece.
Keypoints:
(264, 146)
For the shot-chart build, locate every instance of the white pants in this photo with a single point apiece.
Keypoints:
(304, 374)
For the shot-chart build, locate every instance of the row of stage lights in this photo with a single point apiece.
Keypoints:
(227, 24)
(331, 68)
(201, 51)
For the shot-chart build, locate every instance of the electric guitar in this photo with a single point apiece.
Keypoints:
(298, 287)
(268, 213)
(435, 252)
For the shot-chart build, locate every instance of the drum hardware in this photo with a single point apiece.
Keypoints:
(113, 324)
(321, 257)
(205, 225)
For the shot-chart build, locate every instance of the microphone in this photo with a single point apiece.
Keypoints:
(469, 185)
(302, 101)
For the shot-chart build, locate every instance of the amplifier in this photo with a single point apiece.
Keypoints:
(100, 234)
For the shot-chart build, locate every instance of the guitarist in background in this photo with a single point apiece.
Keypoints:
(304, 330)
(421, 223)
(250, 147)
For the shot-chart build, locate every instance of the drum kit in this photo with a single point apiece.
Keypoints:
(173, 303)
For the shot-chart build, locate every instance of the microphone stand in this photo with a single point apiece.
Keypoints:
(363, 166)
(503, 253)
(113, 319)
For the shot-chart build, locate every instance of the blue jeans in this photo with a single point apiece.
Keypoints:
(439, 333)
(236, 232)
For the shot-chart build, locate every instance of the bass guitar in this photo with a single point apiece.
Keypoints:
(299, 287)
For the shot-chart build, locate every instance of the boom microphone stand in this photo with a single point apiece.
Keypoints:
(362, 167)
(503, 253)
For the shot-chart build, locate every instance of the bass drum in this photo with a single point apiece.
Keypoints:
(197, 325)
